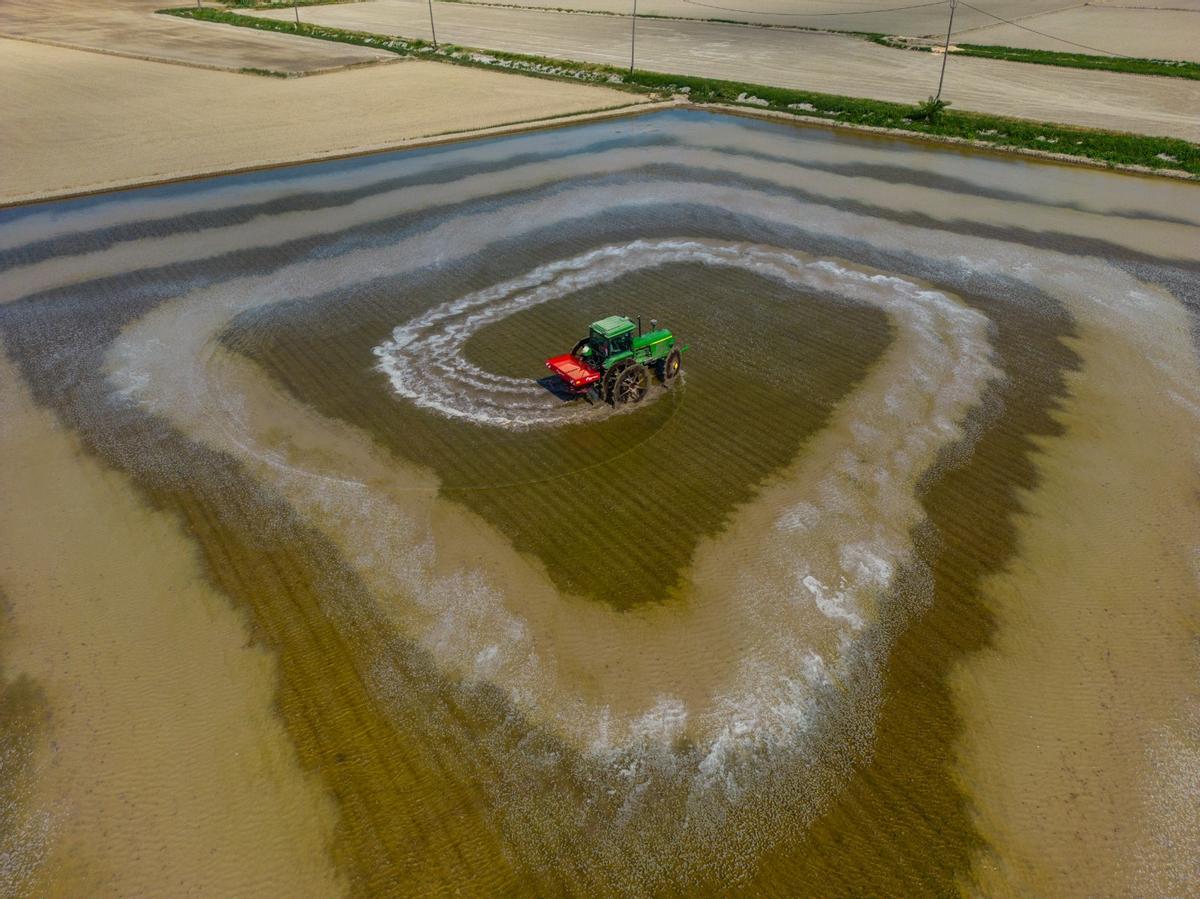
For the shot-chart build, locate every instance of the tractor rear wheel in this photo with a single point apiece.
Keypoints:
(668, 369)
(632, 384)
(608, 386)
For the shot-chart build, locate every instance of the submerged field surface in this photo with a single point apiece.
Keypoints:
(312, 587)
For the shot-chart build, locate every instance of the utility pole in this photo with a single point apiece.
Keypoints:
(946, 49)
(432, 30)
(296, 7)
(633, 37)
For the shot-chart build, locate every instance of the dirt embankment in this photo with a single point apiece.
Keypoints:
(64, 134)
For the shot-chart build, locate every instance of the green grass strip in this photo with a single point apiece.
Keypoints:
(1112, 148)
(278, 4)
(267, 73)
(1169, 68)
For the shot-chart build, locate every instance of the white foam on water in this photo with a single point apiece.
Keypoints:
(221, 194)
(275, 230)
(728, 137)
(425, 360)
(943, 370)
(471, 626)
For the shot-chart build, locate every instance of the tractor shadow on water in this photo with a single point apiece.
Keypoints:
(554, 385)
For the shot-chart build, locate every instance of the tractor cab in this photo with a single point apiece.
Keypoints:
(608, 338)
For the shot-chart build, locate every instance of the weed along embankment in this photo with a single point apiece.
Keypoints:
(1167, 68)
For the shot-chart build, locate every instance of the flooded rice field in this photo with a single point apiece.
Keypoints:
(311, 586)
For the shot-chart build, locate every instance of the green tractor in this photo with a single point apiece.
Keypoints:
(613, 363)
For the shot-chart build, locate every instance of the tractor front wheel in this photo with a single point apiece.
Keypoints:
(631, 385)
(668, 369)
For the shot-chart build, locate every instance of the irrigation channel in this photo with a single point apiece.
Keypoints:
(312, 587)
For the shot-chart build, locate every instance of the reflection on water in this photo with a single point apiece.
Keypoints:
(768, 631)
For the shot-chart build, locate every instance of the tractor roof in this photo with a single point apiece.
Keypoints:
(612, 326)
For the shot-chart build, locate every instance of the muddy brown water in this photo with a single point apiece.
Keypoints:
(290, 424)
(613, 509)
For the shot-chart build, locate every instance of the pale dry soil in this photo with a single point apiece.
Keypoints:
(163, 768)
(1185, 5)
(837, 15)
(130, 28)
(1151, 33)
(63, 134)
(1160, 29)
(829, 63)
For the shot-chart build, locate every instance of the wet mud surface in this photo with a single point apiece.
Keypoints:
(748, 636)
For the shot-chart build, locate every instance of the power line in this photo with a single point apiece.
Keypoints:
(869, 12)
(812, 15)
(1044, 34)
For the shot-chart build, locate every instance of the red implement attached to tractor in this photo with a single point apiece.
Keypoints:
(575, 375)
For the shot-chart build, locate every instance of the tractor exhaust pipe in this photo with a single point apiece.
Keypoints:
(639, 326)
